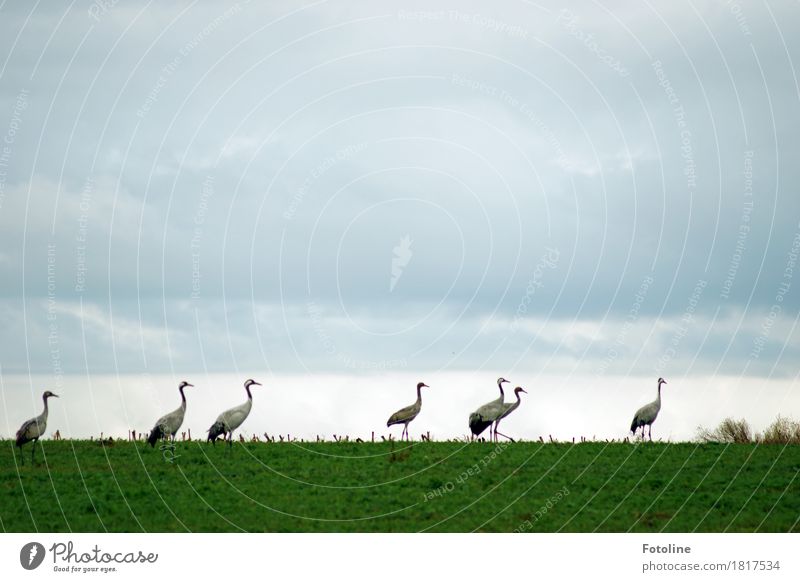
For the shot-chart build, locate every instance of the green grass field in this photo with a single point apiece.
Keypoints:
(393, 487)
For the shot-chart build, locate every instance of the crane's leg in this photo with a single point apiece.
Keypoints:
(33, 450)
(650, 433)
(497, 432)
(504, 435)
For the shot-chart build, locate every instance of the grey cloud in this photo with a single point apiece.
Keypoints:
(334, 133)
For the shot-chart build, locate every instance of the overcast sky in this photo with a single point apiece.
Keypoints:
(342, 197)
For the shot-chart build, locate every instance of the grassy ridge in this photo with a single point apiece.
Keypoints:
(376, 487)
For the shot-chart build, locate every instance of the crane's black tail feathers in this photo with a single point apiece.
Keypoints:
(218, 428)
(22, 437)
(477, 424)
(155, 434)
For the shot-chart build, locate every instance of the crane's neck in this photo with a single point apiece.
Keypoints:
(509, 408)
(247, 387)
(419, 394)
(44, 413)
(502, 394)
(658, 399)
(183, 397)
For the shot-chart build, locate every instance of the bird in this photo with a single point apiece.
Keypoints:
(168, 425)
(409, 413)
(233, 418)
(647, 414)
(33, 429)
(486, 414)
(508, 408)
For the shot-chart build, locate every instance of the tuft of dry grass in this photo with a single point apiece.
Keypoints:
(728, 431)
(784, 431)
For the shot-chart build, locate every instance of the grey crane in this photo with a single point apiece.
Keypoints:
(168, 425)
(233, 418)
(487, 414)
(508, 408)
(33, 429)
(409, 413)
(647, 414)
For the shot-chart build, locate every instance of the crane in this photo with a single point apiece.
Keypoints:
(168, 425)
(508, 408)
(34, 428)
(486, 414)
(647, 414)
(409, 413)
(233, 418)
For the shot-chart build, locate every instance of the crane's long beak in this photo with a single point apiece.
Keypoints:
(192, 385)
(257, 383)
(56, 395)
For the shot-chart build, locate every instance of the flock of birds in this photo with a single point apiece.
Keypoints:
(487, 416)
